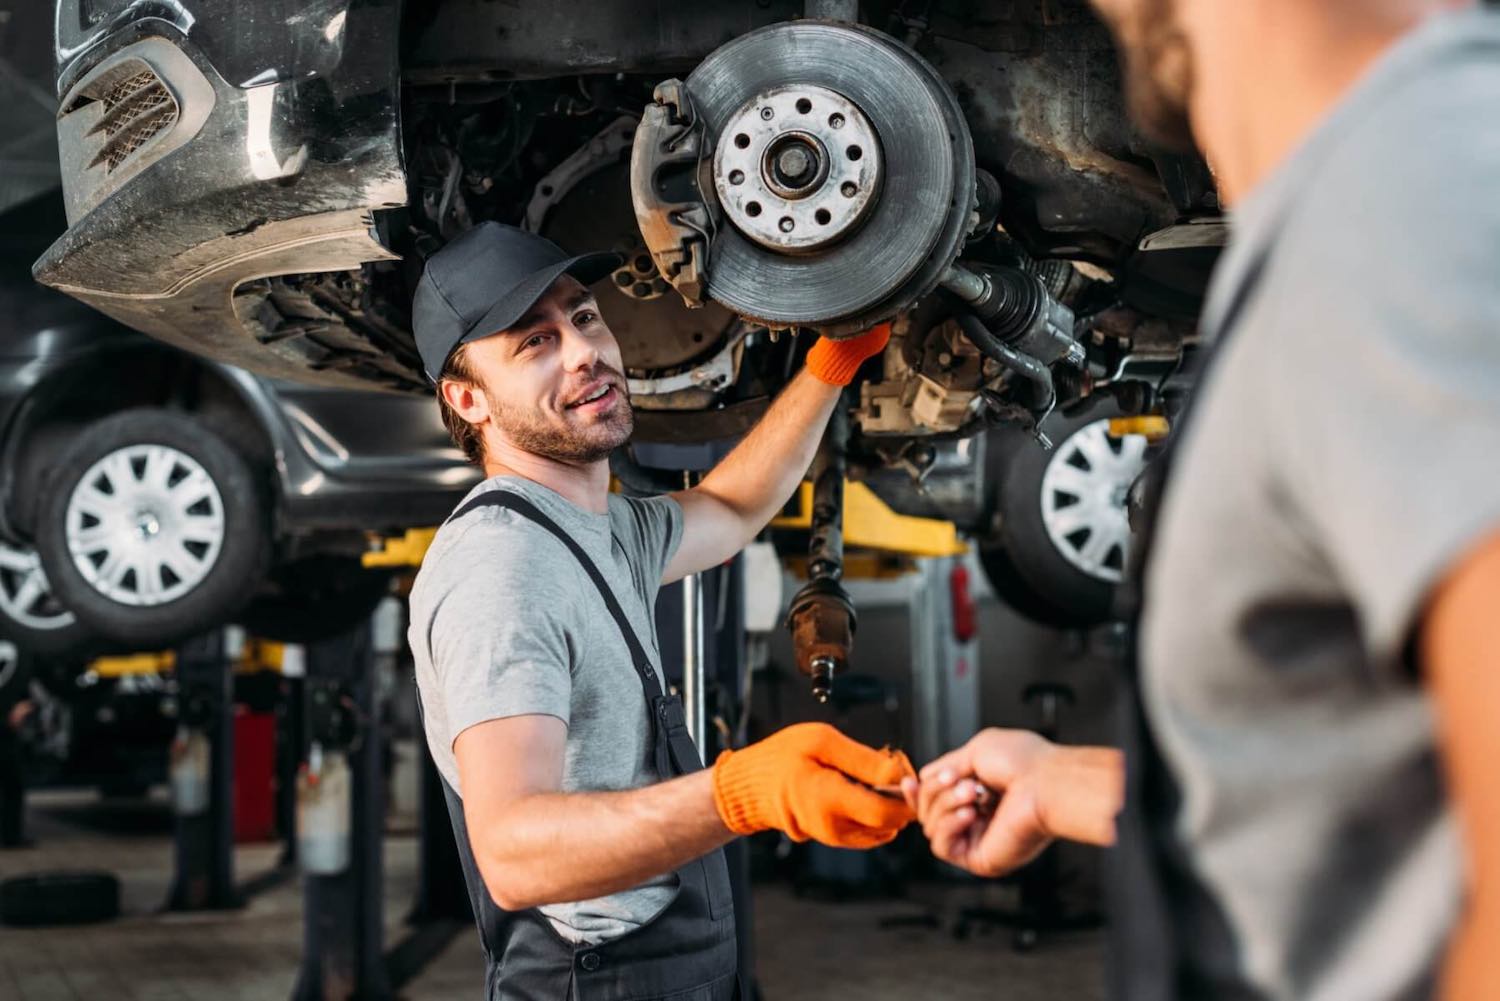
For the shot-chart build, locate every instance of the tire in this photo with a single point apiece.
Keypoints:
(31, 615)
(153, 528)
(315, 598)
(1063, 540)
(1013, 589)
(59, 898)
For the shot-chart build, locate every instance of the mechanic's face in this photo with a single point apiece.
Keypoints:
(553, 384)
(1157, 65)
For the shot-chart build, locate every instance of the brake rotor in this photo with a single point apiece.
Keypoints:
(837, 172)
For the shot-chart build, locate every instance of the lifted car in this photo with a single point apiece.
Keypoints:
(260, 183)
(147, 494)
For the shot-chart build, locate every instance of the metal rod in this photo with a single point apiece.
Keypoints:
(692, 657)
(822, 617)
(965, 284)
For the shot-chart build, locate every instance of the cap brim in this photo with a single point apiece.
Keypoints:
(587, 268)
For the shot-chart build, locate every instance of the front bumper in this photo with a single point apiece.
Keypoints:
(182, 185)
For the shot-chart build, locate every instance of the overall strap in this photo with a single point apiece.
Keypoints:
(671, 745)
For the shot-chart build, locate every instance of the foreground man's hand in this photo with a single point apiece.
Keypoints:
(1045, 791)
(810, 781)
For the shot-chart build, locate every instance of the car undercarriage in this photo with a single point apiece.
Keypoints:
(263, 185)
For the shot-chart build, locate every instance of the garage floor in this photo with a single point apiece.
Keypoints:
(806, 949)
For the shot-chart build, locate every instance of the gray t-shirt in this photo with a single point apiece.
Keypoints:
(1344, 452)
(505, 622)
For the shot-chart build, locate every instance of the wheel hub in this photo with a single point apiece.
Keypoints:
(796, 169)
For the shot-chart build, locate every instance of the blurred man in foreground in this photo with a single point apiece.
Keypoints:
(1311, 810)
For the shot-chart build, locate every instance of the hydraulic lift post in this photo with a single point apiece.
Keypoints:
(202, 774)
(291, 737)
(944, 637)
(341, 826)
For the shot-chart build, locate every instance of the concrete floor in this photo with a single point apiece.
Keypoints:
(805, 948)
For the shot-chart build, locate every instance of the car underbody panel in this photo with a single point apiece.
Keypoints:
(261, 183)
(183, 185)
(257, 182)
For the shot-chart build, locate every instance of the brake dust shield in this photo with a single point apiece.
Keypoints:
(806, 174)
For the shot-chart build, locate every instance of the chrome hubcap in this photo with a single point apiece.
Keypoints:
(1084, 491)
(25, 596)
(145, 525)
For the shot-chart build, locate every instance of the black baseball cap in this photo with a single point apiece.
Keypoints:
(484, 280)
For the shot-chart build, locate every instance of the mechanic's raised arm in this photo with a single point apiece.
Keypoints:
(520, 823)
(721, 515)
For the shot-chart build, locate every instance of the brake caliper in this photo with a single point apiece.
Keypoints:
(676, 210)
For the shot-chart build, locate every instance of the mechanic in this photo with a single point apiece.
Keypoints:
(590, 837)
(1311, 806)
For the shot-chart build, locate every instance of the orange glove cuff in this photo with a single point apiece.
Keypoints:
(739, 778)
(835, 362)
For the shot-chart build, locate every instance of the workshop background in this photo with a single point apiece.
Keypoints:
(220, 464)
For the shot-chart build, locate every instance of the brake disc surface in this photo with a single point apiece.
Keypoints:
(843, 169)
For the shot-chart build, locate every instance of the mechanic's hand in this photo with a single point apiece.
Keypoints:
(835, 362)
(993, 839)
(810, 781)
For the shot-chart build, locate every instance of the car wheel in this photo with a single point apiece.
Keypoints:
(31, 616)
(315, 598)
(1064, 539)
(153, 528)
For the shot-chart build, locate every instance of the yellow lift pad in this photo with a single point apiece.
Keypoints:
(870, 524)
(133, 664)
(258, 655)
(406, 551)
(1152, 426)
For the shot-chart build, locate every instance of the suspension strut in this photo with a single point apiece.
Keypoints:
(821, 618)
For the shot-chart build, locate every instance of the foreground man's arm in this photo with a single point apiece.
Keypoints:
(1046, 791)
(1461, 664)
(721, 515)
(537, 845)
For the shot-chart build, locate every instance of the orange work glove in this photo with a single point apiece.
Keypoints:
(835, 362)
(806, 781)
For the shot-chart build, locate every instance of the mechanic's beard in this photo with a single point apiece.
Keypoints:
(568, 441)
(1158, 72)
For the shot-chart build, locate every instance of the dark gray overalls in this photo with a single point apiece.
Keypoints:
(686, 953)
